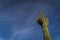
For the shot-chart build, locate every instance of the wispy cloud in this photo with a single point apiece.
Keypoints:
(22, 33)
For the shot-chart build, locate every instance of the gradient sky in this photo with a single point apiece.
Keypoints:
(17, 19)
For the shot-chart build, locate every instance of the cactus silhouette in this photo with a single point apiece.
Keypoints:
(44, 25)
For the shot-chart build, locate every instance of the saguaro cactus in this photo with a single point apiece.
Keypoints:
(44, 24)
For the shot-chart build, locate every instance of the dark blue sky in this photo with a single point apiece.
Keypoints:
(17, 19)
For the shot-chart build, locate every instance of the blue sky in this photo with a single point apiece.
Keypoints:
(17, 19)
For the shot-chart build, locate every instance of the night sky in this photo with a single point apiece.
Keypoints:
(18, 19)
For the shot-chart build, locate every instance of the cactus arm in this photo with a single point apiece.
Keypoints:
(44, 24)
(46, 33)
